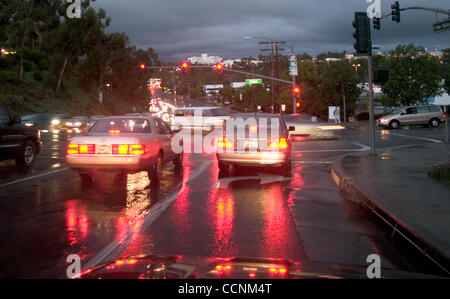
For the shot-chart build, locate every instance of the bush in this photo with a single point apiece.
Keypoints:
(9, 76)
(38, 76)
(441, 173)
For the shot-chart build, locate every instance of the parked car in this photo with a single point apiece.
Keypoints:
(428, 115)
(255, 145)
(210, 117)
(124, 144)
(18, 141)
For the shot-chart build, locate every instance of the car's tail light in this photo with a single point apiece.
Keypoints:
(81, 149)
(279, 143)
(128, 149)
(114, 132)
(223, 142)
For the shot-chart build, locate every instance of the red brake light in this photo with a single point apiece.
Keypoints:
(114, 132)
(223, 142)
(128, 149)
(279, 143)
(81, 149)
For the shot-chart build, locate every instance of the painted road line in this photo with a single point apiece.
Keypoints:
(34, 177)
(116, 247)
(418, 138)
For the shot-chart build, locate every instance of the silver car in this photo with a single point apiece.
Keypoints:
(124, 144)
(428, 115)
(254, 144)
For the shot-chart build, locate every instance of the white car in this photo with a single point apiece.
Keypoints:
(199, 118)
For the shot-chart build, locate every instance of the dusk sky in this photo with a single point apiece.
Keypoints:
(178, 29)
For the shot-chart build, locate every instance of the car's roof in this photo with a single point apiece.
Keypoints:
(197, 108)
(256, 115)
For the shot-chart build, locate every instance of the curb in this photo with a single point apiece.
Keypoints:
(345, 184)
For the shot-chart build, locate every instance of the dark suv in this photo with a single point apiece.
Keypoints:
(17, 141)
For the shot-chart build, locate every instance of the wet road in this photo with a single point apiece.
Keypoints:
(48, 214)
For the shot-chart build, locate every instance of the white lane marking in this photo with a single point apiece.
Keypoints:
(418, 138)
(116, 247)
(34, 177)
(361, 148)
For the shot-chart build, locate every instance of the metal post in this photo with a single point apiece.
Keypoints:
(371, 112)
(446, 125)
(273, 75)
(294, 100)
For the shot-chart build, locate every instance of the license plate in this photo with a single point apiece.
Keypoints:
(251, 144)
(103, 149)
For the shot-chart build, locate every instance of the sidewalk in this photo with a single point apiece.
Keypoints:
(396, 182)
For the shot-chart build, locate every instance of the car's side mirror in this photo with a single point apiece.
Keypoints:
(403, 113)
(291, 129)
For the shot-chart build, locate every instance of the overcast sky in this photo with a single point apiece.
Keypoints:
(178, 29)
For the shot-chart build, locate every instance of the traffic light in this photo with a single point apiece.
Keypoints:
(376, 23)
(185, 66)
(363, 42)
(296, 90)
(219, 67)
(297, 105)
(396, 12)
(142, 66)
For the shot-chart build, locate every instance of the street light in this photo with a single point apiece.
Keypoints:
(356, 66)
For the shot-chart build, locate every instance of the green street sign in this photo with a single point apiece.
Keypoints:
(253, 81)
(441, 26)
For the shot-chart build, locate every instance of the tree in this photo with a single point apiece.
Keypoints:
(446, 69)
(414, 76)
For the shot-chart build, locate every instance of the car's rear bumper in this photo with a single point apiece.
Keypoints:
(128, 163)
(254, 158)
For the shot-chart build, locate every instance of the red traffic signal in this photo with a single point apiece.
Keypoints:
(297, 104)
(219, 67)
(185, 65)
(142, 66)
(296, 90)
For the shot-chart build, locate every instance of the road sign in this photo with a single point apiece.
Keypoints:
(253, 81)
(293, 66)
(441, 26)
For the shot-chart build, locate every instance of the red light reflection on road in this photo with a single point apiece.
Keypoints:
(276, 223)
(77, 227)
(223, 222)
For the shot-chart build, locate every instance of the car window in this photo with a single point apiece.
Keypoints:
(162, 127)
(411, 110)
(434, 108)
(423, 109)
(220, 112)
(121, 125)
(4, 116)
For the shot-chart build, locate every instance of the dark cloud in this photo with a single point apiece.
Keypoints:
(177, 29)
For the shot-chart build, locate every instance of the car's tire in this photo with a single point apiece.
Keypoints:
(224, 170)
(434, 122)
(286, 169)
(27, 156)
(394, 124)
(87, 179)
(155, 173)
(178, 162)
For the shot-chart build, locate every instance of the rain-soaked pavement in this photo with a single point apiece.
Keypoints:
(48, 214)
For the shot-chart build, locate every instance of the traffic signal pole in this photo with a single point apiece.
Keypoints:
(371, 111)
(294, 99)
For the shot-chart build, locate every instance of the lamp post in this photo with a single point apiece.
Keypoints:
(356, 66)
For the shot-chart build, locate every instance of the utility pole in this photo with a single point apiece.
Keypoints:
(274, 49)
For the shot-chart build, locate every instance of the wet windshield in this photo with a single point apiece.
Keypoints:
(251, 139)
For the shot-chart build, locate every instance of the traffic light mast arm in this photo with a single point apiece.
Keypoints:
(435, 10)
(262, 76)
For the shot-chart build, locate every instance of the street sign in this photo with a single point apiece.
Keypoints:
(441, 26)
(253, 81)
(293, 66)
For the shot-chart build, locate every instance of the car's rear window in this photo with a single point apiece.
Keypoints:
(184, 112)
(121, 125)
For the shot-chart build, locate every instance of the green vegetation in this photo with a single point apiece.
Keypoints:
(62, 64)
(441, 173)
